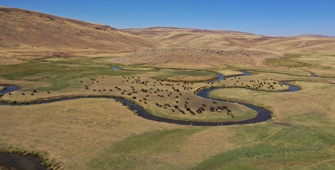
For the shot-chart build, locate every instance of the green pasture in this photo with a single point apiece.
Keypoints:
(103, 134)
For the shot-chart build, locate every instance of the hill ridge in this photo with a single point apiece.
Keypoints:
(24, 29)
(27, 33)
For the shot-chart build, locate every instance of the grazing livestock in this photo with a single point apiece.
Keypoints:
(166, 92)
(191, 112)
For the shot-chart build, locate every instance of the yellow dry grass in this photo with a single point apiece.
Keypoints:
(77, 132)
(72, 132)
(196, 38)
(228, 72)
(103, 134)
(172, 57)
(312, 98)
(29, 33)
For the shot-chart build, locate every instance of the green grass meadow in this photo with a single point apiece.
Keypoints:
(100, 133)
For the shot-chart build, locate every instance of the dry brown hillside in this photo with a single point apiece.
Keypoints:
(187, 47)
(194, 57)
(26, 32)
(187, 37)
(192, 37)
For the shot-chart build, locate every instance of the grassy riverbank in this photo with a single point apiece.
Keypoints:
(100, 133)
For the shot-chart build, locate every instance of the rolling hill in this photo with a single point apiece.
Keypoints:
(188, 37)
(24, 31)
(27, 33)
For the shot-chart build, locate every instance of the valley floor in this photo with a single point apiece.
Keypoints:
(100, 133)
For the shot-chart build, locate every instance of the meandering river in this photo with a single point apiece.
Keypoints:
(18, 161)
(262, 113)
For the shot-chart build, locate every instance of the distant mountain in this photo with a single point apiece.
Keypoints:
(23, 29)
(25, 33)
(197, 38)
(315, 36)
